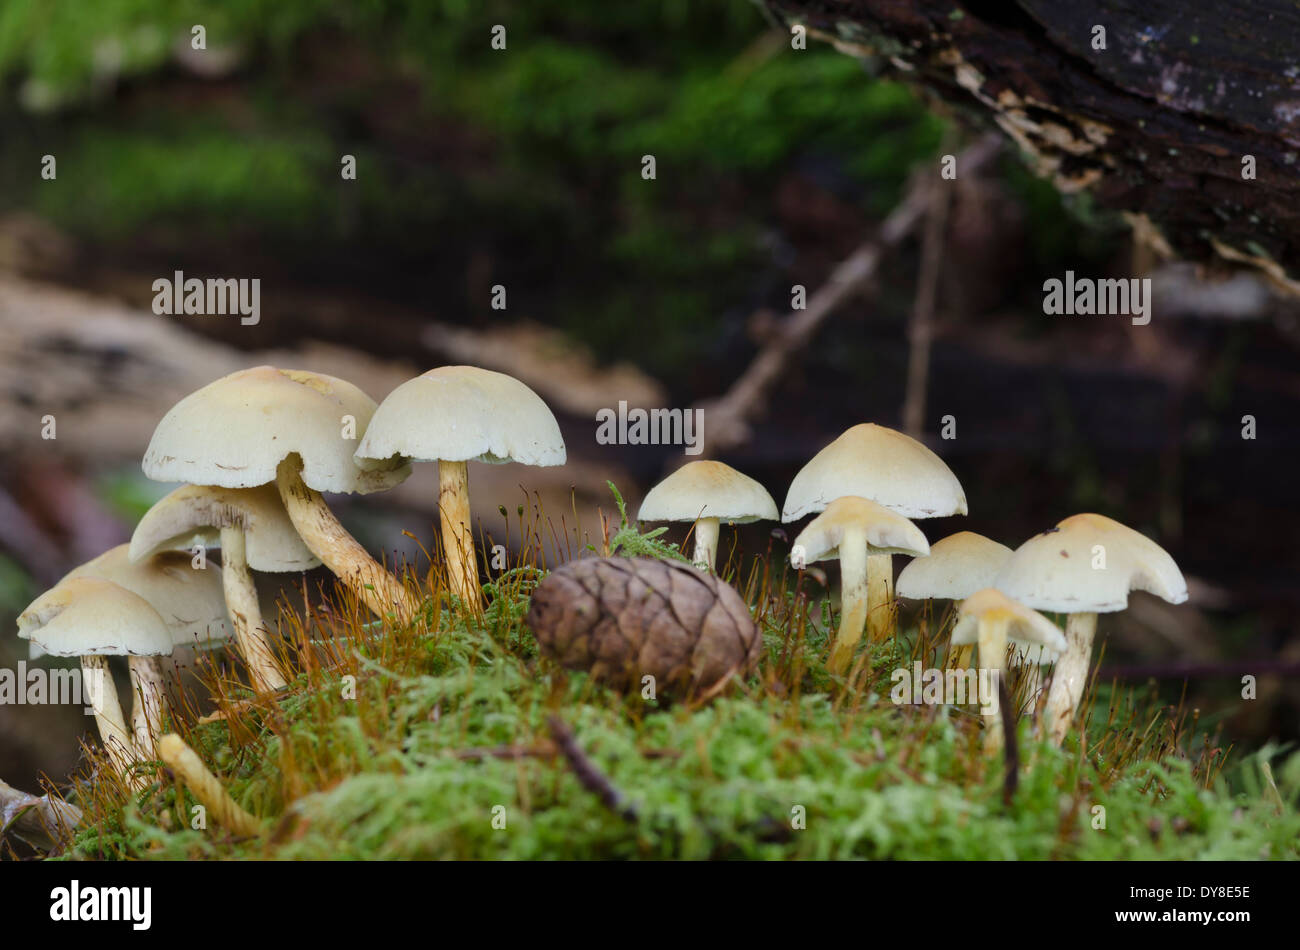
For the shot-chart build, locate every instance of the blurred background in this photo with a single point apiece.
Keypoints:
(522, 167)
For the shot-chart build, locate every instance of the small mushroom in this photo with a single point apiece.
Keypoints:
(990, 618)
(863, 536)
(707, 492)
(294, 429)
(188, 600)
(955, 568)
(253, 530)
(93, 619)
(1084, 566)
(889, 468)
(454, 415)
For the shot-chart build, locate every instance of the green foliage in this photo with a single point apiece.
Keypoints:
(520, 156)
(629, 541)
(17, 589)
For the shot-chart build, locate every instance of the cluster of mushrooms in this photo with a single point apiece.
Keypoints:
(865, 487)
(256, 449)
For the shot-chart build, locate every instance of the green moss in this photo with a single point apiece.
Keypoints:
(443, 750)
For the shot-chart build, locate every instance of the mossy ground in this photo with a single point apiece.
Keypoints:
(442, 749)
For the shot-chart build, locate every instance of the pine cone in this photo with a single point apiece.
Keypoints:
(624, 618)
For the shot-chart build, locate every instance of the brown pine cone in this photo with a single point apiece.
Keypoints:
(624, 618)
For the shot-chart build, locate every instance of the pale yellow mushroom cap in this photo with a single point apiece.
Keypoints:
(884, 531)
(874, 462)
(956, 567)
(195, 514)
(89, 616)
(1088, 564)
(463, 414)
(191, 601)
(1024, 626)
(707, 489)
(234, 432)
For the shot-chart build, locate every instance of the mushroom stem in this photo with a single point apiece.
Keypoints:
(706, 543)
(147, 707)
(337, 549)
(880, 596)
(205, 786)
(246, 612)
(993, 657)
(854, 598)
(1070, 676)
(100, 689)
(457, 538)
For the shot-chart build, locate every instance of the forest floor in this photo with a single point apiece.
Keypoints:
(451, 737)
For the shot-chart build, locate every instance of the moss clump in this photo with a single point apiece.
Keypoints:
(431, 740)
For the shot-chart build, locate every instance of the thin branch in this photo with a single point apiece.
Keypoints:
(591, 777)
(920, 328)
(729, 416)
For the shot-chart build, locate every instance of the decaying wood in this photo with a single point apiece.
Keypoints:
(41, 821)
(1157, 123)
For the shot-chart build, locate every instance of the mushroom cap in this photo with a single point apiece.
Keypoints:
(195, 514)
(463, 414)
(191, 602)
(874, 462)
(235, 431)
(1025, 626)
(1053, 570)
(887, 532)
(89, 616)
(707, 489)
(956, 567)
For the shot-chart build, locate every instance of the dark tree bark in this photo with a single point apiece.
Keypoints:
(1157, 123)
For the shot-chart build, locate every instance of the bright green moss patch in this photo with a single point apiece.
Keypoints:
(432, 741)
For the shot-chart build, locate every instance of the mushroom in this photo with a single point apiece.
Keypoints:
(855, 530)
(293, 429)
(891, 469)
(189, 601)
(990, 618)
(252, 529)
(1084, 566)
(955, 568)
(707, 492)
(454, 415)
(92, 618)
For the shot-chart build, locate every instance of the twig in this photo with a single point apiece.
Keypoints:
(591, 777)
(729, 415)
(920, 328)
(1011, 752)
